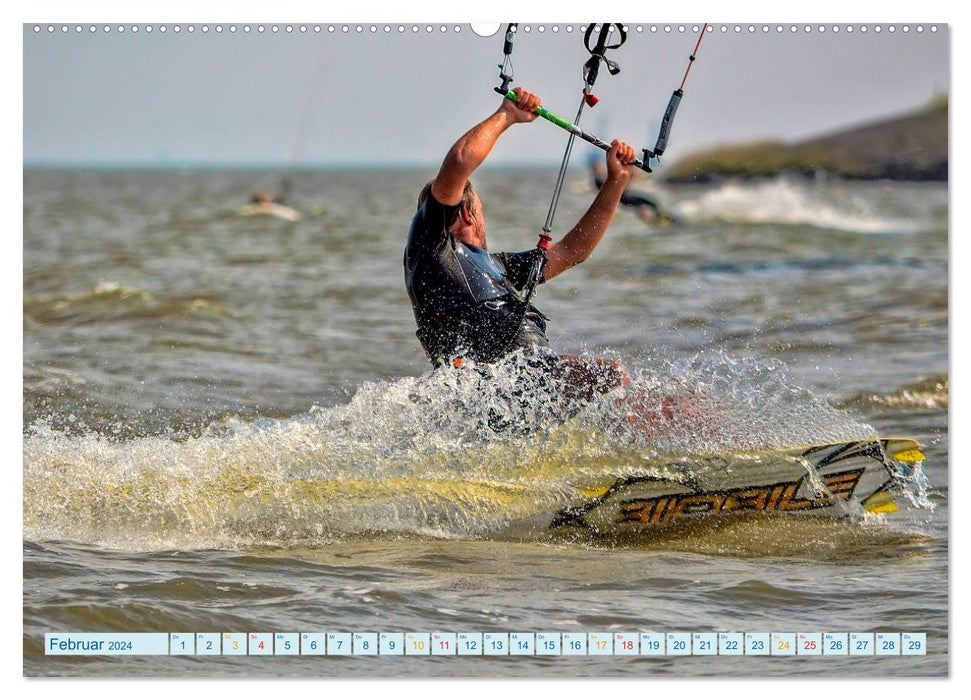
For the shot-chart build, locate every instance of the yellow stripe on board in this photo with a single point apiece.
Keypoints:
(885, 507)
(910, 456)
(594, 491)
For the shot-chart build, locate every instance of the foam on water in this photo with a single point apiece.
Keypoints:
(452, 453)
(788, 201)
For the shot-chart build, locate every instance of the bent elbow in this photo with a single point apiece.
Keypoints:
(560, 261)
(576, 257)
(459, 160)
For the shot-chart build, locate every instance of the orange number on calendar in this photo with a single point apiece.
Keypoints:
(783, 644)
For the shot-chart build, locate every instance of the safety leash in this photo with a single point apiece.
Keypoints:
(591, 70)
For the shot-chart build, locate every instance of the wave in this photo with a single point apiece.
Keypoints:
(930, 393)
(453, 453)
(110, 301)
(787, 201)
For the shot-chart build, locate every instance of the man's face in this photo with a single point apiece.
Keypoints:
(479, 217)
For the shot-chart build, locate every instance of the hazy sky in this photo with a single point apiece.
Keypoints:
(404, 98)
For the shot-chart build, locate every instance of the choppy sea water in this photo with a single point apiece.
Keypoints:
(230, 426)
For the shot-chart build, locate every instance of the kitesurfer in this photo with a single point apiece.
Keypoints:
(469, 302)
(265, 201)
(646, 208)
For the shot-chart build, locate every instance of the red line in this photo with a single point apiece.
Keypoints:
(693, 54)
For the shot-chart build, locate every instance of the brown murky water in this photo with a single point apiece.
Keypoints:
(229, 424)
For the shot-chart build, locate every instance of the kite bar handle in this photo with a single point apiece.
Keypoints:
(575, 130)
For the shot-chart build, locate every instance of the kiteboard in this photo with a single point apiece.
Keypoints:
(278, 210)
(819, 479)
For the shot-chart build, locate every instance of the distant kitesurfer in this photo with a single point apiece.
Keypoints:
(468, 302)
(646, 208)
(262, 199)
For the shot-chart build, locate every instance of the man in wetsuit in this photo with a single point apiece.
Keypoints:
(470, 303)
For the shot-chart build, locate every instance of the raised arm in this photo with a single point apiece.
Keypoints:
(469, 151)
(575, 246)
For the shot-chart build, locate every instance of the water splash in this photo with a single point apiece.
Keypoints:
(452, 453)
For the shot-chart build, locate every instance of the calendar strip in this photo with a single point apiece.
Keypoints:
(487, 644)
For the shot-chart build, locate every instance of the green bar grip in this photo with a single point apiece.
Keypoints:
(543, 112)
(573, 129)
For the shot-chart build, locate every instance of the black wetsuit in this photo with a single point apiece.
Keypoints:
(467, 301)
(630, 199)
